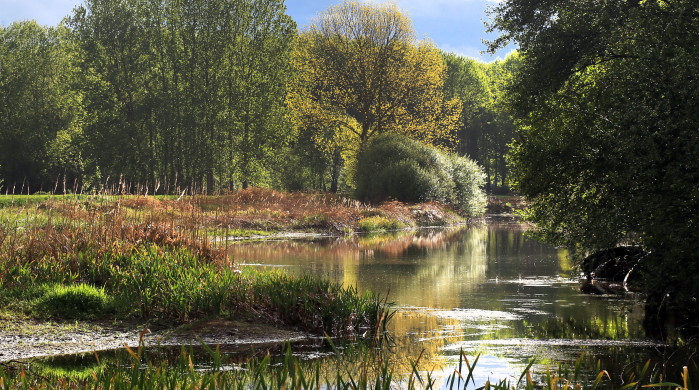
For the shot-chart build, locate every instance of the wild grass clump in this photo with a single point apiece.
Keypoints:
(379, 223)
(79, 301)
(318, 304)
(155, 282)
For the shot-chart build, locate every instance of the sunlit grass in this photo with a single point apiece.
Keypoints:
(75, 301)
(378, 224)
(359, 367)
(164, 259)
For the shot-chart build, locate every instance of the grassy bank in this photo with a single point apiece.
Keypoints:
(94, 258)
(241, 212)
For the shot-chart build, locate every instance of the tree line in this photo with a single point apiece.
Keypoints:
(223, 94)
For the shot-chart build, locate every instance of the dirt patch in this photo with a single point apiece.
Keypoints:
(22, 339)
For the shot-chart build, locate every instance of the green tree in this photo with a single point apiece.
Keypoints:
(485, 127)
(188, 93)
(361, 72)
(608, 145)
(115, 72)
(262, 69)
(40, 110)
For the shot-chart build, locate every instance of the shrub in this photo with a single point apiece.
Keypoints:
(396, 167)
(468, 179)
(393, 166)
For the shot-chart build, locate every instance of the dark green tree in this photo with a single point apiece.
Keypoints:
(609, 133)
(40, 111)
(185, 93)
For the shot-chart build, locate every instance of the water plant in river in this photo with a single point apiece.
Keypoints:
(357, 367)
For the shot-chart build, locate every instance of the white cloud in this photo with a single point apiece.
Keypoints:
(464, 50)
(477, 53)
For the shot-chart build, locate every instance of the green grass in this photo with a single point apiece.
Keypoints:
(78, 301)
(156, 282)
(21, 200)
(379, 223)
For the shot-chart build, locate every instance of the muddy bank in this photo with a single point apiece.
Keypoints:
(22, 339)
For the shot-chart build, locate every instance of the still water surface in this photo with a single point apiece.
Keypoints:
(485, 290)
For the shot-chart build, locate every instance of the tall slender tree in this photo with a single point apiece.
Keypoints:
(189, 90)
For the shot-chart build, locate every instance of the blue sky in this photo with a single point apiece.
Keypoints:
(453, 25)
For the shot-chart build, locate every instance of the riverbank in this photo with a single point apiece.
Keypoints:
(89, 272)
(240, 213)
(27, 338)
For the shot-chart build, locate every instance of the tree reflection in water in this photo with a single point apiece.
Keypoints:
(487, 289)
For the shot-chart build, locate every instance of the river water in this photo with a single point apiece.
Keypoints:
(485, 290)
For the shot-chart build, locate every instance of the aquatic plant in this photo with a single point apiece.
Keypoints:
(371, 368)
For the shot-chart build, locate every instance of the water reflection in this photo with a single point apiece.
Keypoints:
(483, 291)
(491, 268)
(467, 288)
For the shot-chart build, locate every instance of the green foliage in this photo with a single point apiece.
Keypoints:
(485, 127)
(192, 92)
(608, 144)
(393, 166)
(307, 167)
(361, 72)
(79, 301)
(378, 223)
(39, 107)
(469, 180)
(396, 167)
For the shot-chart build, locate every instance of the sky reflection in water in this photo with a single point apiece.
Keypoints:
(486, 289)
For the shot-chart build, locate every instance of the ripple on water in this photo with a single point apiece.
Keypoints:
(520, 342)
(474, 315)
(537, 281)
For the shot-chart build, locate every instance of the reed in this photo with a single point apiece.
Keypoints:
(147, 253)
(359, 368)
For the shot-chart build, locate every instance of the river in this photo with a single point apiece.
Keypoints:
(486, 290)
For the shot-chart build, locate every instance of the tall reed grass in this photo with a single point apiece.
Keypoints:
(362, 368)
(157, 259)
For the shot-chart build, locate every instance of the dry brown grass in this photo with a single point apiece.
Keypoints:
(119, 224)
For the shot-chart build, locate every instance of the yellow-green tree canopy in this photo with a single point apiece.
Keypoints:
(360, 71)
